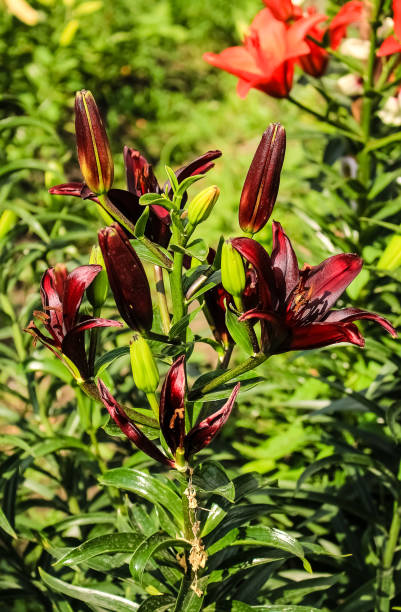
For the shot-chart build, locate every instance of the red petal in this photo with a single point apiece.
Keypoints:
(90, 323)
(199, 165)
(78, 190)
(355, 314)
(202, 434)
(327, 281)
(256, 255)
(75, 285)
(349, 13)
(52, 305)
(172, 405)
(284, 262)
(129, 428)
(389, 46)
(323, 334)
(139, 173)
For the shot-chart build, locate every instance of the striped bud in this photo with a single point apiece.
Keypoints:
(93, 146)
(232, 271)
(261, 185)
(97, 290)
(144, 368)
(202, 205)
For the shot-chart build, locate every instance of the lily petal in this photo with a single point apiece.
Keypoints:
(91, 323)
(284, 262)
(322, 334)
(256, 255)
(78, 190)
(52, 305)
(172, 405)
(129, 428)
(202, 434)
(75, 286)
(326, 282)
(347, 315)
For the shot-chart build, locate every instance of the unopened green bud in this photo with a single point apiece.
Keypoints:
(202, 205)
(144, 368)
(7, 222)
(97, 290)
(232, 270)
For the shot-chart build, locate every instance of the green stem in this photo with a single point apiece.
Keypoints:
(386, 586)
(177, 294)
(117, 214)
(93, 342)
(343, 129)
(154, 404)
(162, 299)
(249, 364)
(365, 158)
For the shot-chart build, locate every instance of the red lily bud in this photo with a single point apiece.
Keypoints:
(127, 278)
(172, 405)
(261, 185)
(93, 147)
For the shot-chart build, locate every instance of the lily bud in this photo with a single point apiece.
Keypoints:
(261, 185)
(232, 271)
(202, 205)
(93, 146)
(97, 291)
(144, 368)
(127, 278)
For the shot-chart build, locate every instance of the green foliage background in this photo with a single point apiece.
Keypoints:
(143, 62)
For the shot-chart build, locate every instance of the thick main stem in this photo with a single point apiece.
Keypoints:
(177, 293)
(365, 158)
(93, 343)
(162, 299)
(387, 569)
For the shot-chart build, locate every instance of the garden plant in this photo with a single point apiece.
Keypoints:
(189, 422)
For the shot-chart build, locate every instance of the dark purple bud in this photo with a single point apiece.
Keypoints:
(127, 278)
(261, 185)
(202, 434)
(129, 428)
(93, 147)
(172, 405)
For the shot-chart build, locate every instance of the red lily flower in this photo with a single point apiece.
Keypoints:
(294, 305)
(392, 44)
(172, 419)
(268, 55)
(215, 311)
(315, 62)
(61, 295)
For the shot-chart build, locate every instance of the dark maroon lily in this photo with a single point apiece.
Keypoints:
(215, 311)
(172, 420)
(295, 306)
(61, 295)
(261, 185)
(127, 278)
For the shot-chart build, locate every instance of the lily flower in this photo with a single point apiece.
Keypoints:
(392, 44)
(267, 57)
(295, 306)
(61, 295)
(172, 420)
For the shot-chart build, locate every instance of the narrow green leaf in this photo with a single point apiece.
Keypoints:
(146, 254)
(109, 543)
(147, 199)
(183, 323)
(157, 603)
(145, 486)
(271, 537)
(5, 525)
(172, 178)
(92, 597)
(140, 225)
(186, 184)
(148, 548)
(107, 358)
(239, 332)
(210, 476)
